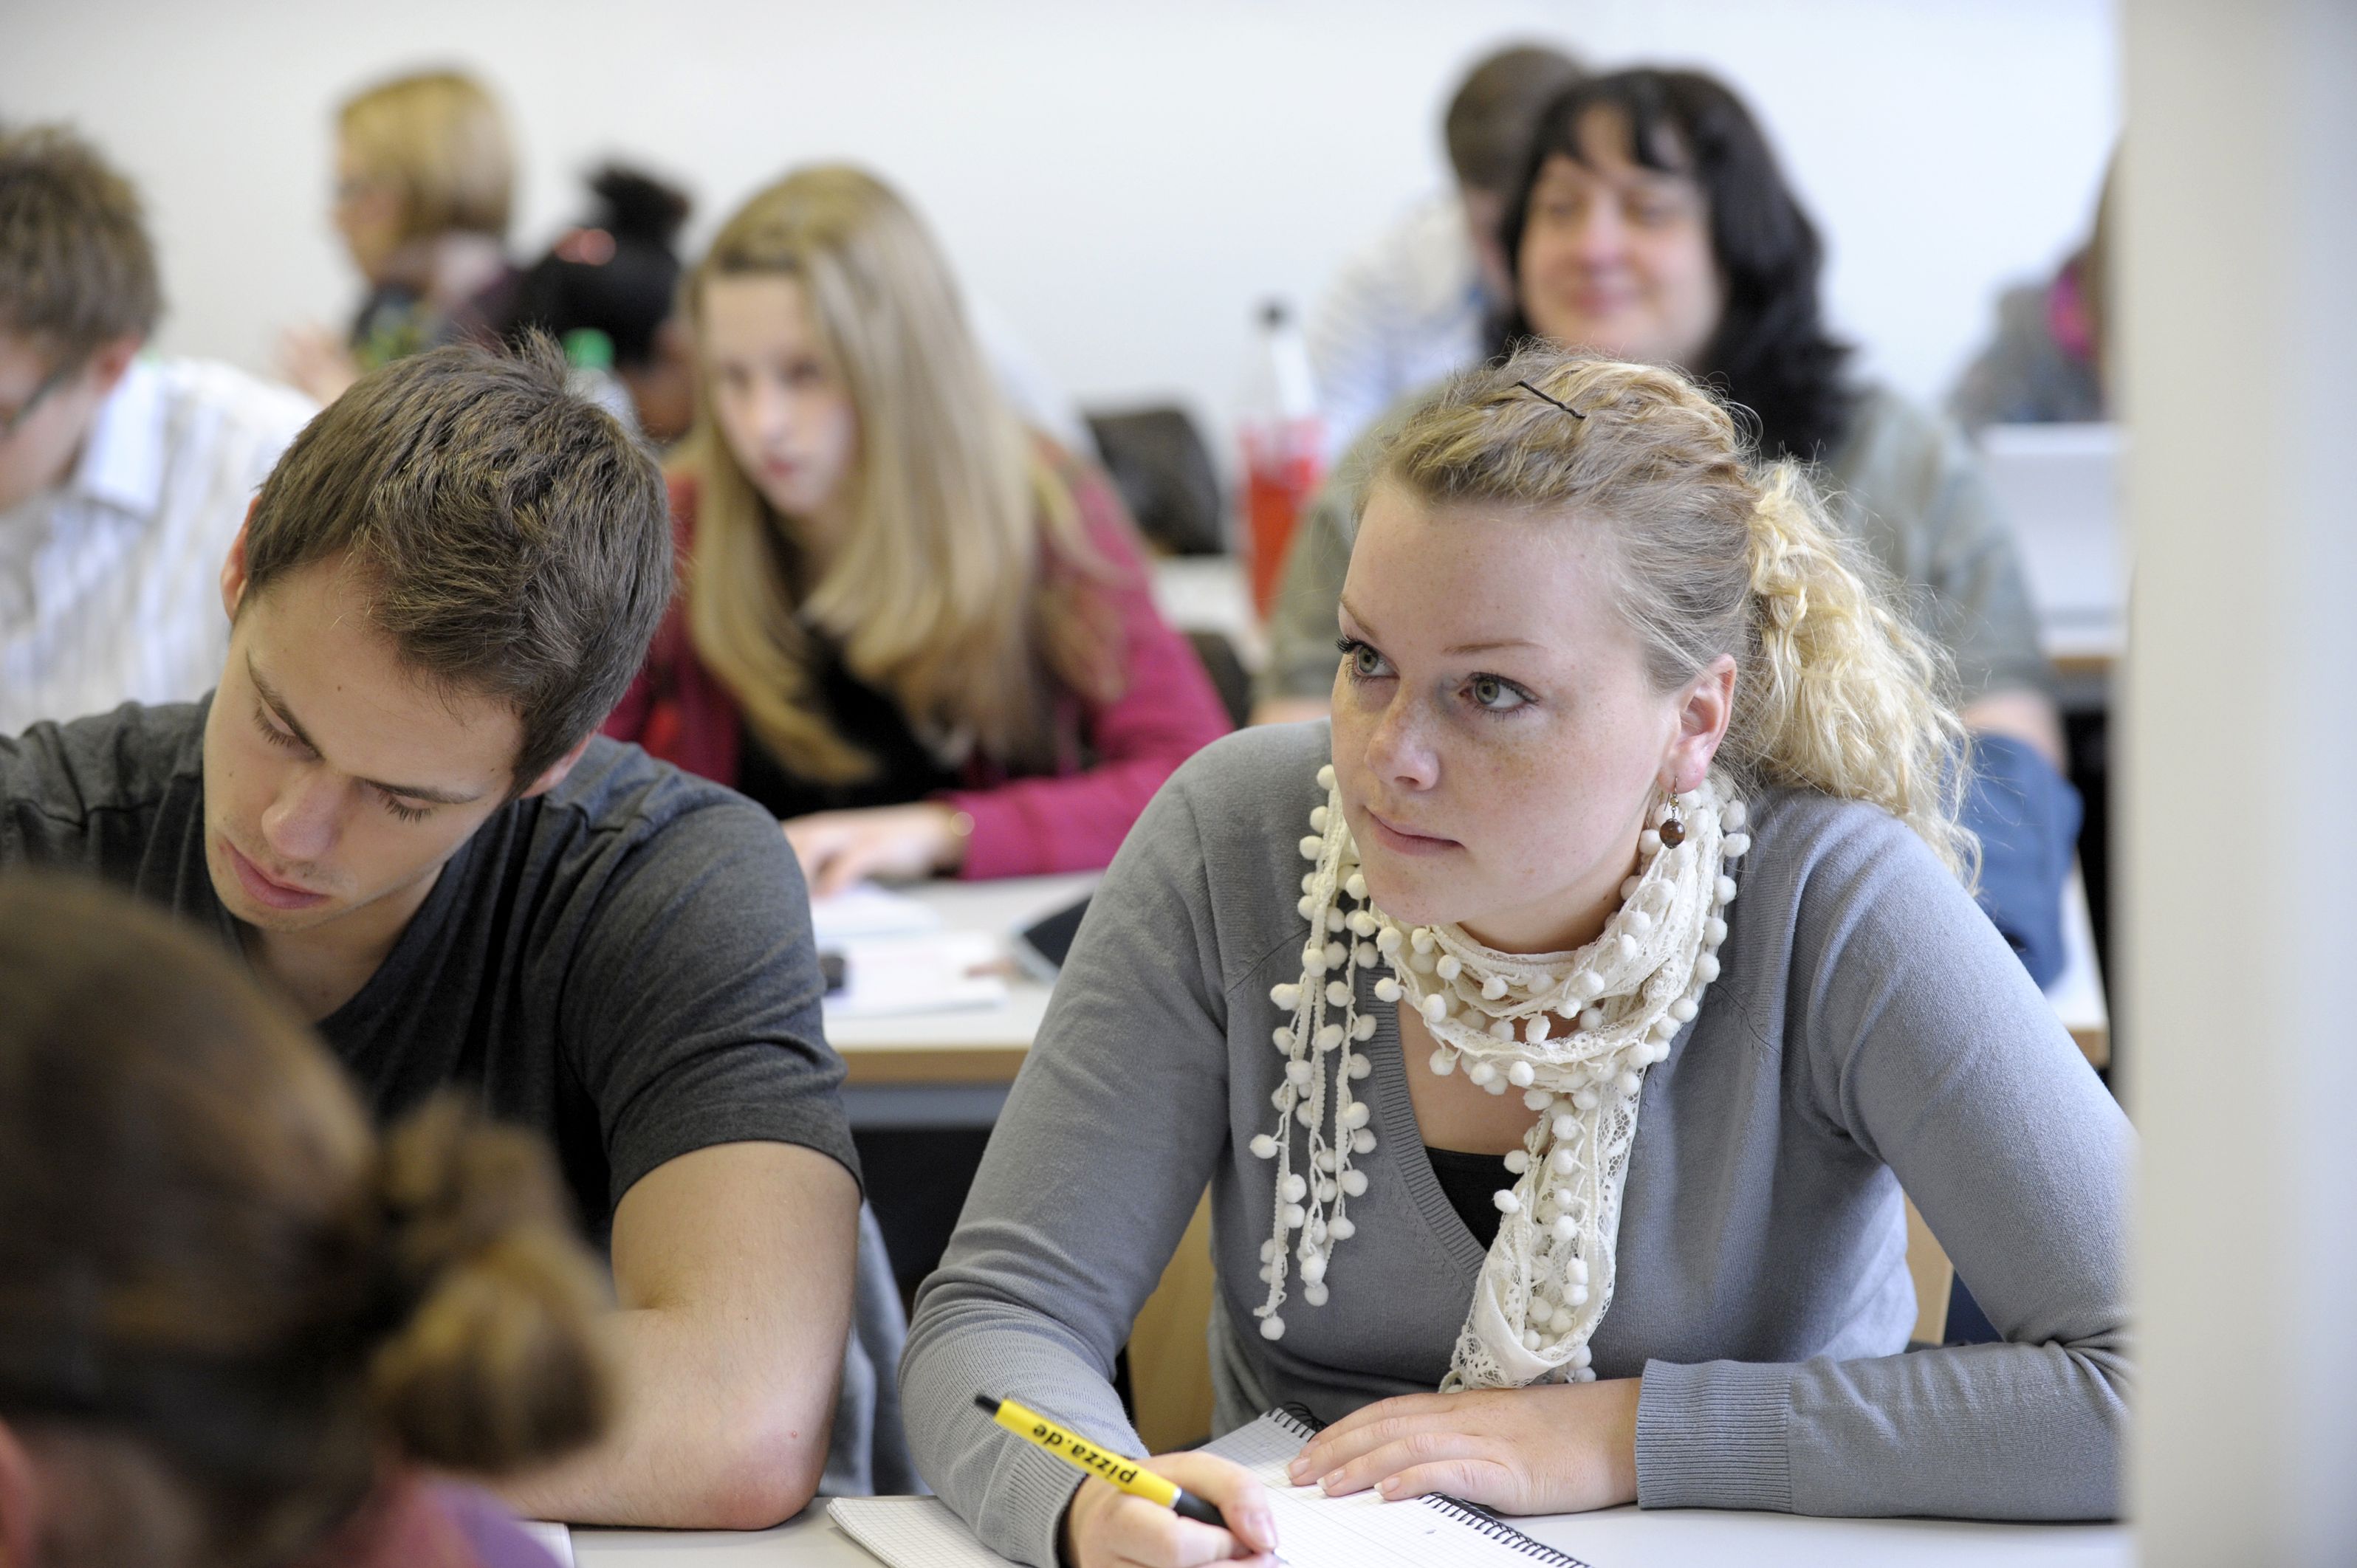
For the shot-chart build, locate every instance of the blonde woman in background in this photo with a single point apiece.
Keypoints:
(1555, 1122)
(425, 181)
(918, 633)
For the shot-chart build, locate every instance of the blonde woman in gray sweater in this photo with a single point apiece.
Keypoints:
(1545, 1170)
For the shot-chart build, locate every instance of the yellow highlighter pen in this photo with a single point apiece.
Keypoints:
(1125, 1473)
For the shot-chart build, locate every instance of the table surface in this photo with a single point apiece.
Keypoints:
(1621, 1538)
(975, 1044)
(986, 1045)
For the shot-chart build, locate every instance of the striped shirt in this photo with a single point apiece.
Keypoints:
(1400, 315)
(110, 582)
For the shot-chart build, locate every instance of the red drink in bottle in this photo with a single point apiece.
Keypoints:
(1282, 439)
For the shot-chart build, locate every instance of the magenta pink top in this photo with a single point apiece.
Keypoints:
(1112, 756)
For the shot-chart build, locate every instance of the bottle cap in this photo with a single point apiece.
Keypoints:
(586, 348)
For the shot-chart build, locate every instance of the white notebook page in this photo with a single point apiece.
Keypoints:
(1363, 1531)
(1313, 1531)
(555, 1539)
(911, 1533)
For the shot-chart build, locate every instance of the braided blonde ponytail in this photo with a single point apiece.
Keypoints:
(1834, 690)
(1836, 695)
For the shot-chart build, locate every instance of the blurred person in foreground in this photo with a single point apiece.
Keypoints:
(237, 1326)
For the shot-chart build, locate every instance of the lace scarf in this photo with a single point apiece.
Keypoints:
(1547, 1280)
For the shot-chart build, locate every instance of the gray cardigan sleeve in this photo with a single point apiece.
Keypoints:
(1109, 1137)
(1924, 1042)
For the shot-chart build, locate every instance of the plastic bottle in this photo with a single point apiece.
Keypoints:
(1283, 438)
(591, 354)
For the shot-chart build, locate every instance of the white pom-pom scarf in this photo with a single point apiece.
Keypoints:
(1547, 1281)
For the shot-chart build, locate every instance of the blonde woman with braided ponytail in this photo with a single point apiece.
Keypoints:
(1557, 1033)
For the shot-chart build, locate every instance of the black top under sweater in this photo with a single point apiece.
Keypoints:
(905, 768)
(1470, 1183)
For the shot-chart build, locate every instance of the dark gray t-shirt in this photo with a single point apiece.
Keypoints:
(624, 964)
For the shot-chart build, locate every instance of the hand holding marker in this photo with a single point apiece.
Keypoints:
(1125, 1474)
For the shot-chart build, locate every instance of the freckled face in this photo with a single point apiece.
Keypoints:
(1496, 738)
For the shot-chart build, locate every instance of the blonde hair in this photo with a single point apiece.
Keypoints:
(439, 139)
(960, 588)
(1716, 554)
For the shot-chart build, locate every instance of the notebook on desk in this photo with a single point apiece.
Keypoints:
(1313, 1531)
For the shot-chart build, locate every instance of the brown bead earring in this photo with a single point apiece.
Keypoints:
(1674, 825)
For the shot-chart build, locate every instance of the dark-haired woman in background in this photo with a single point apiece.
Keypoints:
(1654, 223)
(235, 1328)
(608, 290)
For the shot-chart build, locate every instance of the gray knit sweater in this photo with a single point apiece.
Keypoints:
(1871, 1028)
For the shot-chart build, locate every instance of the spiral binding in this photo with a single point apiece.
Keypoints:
(1489, 1525)
(1298, 1422)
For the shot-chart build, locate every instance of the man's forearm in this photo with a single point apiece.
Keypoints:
(692, 1446)
(734, 1267)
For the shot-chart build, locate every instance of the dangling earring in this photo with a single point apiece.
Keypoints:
(1674, 825)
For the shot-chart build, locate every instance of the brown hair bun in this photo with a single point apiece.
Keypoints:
(496, 1365)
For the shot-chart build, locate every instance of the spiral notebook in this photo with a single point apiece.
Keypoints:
(1313, 1531)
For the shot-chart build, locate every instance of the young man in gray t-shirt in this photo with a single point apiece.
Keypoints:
(396, 806)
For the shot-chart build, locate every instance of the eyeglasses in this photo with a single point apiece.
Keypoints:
(24, 411)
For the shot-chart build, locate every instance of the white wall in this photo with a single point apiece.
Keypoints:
(1123, 182)
(2241, 214)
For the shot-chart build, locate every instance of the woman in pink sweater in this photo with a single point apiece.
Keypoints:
(919, 634)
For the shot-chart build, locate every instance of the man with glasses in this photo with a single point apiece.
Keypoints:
(123, 477)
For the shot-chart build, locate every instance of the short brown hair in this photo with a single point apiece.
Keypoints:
(76, 269)
(439, 139)
(219, 1290)
(516, 539)
(1491, 117)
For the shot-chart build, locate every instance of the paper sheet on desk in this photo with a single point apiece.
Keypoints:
(937, 974)
(553, 1539)
(863, 910)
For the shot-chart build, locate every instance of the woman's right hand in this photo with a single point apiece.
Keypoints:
(1106, 1528)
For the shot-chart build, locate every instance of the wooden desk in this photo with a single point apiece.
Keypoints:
(1619, 1538)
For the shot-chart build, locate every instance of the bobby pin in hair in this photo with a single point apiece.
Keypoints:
(1556, 401)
